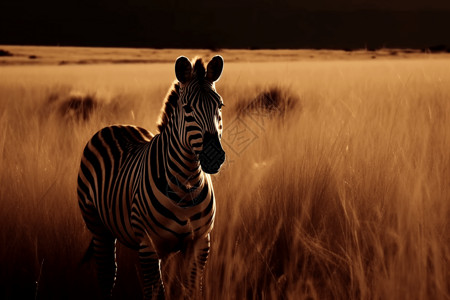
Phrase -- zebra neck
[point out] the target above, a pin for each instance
(182, 173)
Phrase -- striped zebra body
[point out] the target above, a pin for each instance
(151, 193)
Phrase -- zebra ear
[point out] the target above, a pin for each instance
(183, 69)
(214, 68)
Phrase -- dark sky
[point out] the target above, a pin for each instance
(374, 4)
(333, 24)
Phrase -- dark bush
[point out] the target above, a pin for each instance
(5, 53)
(78, 106)
(273, 101)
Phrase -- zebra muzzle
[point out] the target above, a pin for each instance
(212, 156)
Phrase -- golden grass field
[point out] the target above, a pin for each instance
(336, 185)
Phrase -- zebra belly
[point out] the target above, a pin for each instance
(121, 227)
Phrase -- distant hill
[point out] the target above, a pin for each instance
(145, 24)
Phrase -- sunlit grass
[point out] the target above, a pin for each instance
(341, 192)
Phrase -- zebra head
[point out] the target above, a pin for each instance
(201, 105)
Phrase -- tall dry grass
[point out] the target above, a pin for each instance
(336, 184)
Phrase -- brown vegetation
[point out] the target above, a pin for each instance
(344, 197)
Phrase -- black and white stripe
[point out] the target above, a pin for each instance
(153, 193)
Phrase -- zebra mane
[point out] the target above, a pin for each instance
(169, 105)
(199, 69)
(170, 102)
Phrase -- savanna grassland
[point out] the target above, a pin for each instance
(336, 185)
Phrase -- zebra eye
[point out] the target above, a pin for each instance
(187, 108)
(221, 105)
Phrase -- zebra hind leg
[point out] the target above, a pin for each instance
(151, 270)
(105, 257)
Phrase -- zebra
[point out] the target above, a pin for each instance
(153, 193)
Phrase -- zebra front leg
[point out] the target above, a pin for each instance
(197, 255)
(151, 270)
(105, 257)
